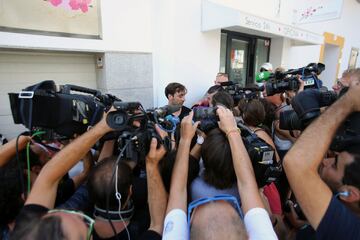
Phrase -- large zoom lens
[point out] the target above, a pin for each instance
(289, 120)
(286, 84)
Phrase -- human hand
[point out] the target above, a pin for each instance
(188, 129)
(227, 121)
(103, 125)
(302, 84)
(155, 154)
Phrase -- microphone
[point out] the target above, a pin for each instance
(167, 110)
(263, 76)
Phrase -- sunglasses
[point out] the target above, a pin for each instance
(225, 197)
(87, 220)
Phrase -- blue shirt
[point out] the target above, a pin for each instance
(338, 223)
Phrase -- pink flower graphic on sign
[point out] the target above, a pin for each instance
(55, 2)
(72, 5)
(80, 4)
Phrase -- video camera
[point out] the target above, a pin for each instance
(238, 92)
(62, 113)
(279, 82)
(136, 139)
(56, 108)
(307, 106)
(261, 154)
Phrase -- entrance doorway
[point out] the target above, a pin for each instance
(242, 55)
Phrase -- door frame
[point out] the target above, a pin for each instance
(251, 39)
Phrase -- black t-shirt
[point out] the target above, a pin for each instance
(184, 112)
(338, 223)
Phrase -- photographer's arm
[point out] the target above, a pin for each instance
(303, 159)
(157, 196)
(8, 150)
(248, 189)
(107, 150)
(44, 189)
(88, 163)
(178, 188)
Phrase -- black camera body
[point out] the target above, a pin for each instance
(136, 139)
(238, 92)
(280, 82)
(306, 106)
(49, 107)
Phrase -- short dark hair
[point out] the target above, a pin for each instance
(11, 201)
(100, 183)
(214, 89)
(216, 154)
(167, 165)
(351, 173)
(252, 112)
(223, 98)
(173, 88)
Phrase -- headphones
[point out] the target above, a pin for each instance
(343, 194)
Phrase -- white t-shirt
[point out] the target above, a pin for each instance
(257, 223)
(175, 226)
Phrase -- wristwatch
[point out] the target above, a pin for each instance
(200, 139)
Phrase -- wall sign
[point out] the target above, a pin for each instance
(79, 18)
(308, 11)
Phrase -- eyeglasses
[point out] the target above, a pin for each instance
(87, 220)
(339, 83)
(201, 201)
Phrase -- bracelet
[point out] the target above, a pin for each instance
(233, 130)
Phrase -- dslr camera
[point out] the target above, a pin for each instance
(262, 155)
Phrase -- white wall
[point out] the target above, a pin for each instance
(126, 26)
(275, 10)
(346, 26)
(182, 53)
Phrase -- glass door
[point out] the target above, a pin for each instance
(239, 51)
(241, 55)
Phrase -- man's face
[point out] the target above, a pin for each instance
(340, 84)
(178, 98)
(332, 169)
(220, 78)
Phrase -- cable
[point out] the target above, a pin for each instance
(19, 165)
(118, 196)
(28, 160)
(109, 187)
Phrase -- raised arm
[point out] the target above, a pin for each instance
(157, 196)
(178, 188)
(44, 189)
(8, 150)
(302, 161)
(248, 189)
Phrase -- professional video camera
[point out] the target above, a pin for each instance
(237, 92)
(306, 106)
(279, 82)
(135, 139)
(57, 109)
(261, 154)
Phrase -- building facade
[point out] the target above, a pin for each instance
(140, 46)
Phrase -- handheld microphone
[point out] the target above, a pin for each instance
(167, 110)
(263, 76)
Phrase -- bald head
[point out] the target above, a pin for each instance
(217, 220)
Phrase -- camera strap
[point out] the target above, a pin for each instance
(126, 214)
